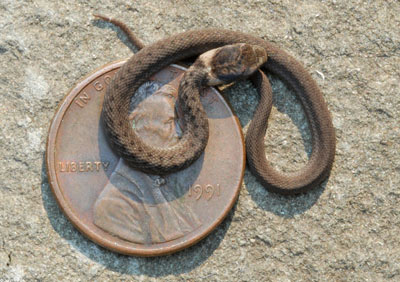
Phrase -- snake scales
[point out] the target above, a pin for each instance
(152, 58)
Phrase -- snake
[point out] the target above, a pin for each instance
(223, 56)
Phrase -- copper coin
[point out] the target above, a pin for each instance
(126, 210)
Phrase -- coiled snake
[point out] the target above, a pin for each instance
(214, 67)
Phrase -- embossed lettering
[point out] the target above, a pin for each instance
(97, 165)
(105, 165)
(62, 167)
(206, 192)
(73, 166)
(107, 79)
(82, 100)
(89, 166)
(198, 191)
(98, 86)
(81, 166)
(209, 191)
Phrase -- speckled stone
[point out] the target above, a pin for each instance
(346, 230)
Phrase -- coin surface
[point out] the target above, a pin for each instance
(123, 209)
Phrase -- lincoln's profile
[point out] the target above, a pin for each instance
(139, 207)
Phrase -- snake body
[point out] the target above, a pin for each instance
(152, 58)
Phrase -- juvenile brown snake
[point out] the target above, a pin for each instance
(152, 58)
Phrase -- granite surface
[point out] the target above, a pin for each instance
(347, 229)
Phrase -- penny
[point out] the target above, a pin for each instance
(126, 210)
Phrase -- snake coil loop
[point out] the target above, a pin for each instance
(152, 58)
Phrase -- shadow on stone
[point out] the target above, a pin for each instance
(177, 263)
(282, 205)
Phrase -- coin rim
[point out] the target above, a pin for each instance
(72, 216)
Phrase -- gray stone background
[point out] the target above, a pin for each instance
(348, 229)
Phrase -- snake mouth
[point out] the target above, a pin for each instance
(232, 62)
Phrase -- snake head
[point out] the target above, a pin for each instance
(232, 62)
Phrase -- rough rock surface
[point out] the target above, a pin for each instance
(348, 229)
